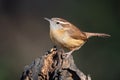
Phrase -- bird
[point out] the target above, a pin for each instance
(68, 36)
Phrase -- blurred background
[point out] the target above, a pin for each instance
(24, 34)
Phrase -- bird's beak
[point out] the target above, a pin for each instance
(47, 19)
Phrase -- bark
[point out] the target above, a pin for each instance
(53, 65)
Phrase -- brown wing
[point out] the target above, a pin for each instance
(74, 32)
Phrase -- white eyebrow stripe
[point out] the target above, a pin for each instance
(63, 22)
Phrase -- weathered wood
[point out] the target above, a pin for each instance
(53, 66)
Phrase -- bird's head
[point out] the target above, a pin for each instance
(57, 23)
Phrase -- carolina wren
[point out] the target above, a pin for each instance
(68, 36)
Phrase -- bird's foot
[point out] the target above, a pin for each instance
(67, 54)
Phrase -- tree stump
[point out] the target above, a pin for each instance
(53, 66)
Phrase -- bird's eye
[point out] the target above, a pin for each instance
(57, 23)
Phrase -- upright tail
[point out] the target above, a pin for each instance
(88, 34)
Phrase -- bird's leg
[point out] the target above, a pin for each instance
(69, 53)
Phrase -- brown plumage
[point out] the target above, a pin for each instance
(67, 35)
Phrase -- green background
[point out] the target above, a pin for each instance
(24, 34)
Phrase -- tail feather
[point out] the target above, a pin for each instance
(88, 34)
